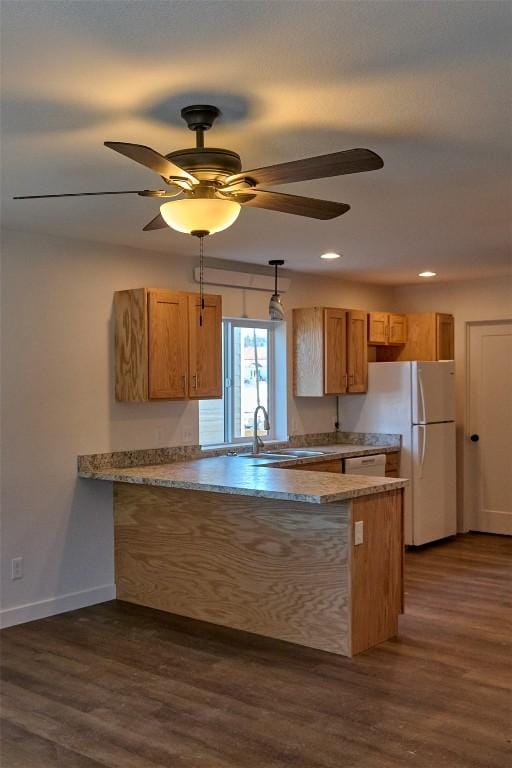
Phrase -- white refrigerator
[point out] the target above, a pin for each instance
(417, 400)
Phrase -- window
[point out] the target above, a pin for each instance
(254, 373)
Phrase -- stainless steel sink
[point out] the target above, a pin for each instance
(264, 455)
(291, 453)
(299, 452)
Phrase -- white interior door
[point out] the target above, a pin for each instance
(434, 482)
(489, 433)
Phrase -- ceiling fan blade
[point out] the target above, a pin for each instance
(156, 223)
(335, 164)
(87, 194)
(300, 206)
(153, 160)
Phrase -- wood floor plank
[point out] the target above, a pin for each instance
(124, 686)
(22, 749)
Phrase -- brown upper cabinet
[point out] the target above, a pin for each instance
(445, 336)
(168, 345)
(335, 351)
(430, 337)
(330, 354)
(357, 351)
(386, 328)
(162, 352)
(205, 347)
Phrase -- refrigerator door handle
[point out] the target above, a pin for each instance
(422, 396)
(423, 448)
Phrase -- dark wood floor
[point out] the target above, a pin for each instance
(117, 685)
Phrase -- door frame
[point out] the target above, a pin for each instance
(470, 479)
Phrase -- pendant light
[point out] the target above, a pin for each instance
(275, 308)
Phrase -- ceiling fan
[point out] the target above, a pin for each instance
(210, 187)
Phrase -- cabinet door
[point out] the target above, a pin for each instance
(393, 462)
(168, 345)
(378, 327)
(131, 345)
(397, 329)
(357, 351)
(445, 337)
(205, 347)
(421, 340)
(335, 351)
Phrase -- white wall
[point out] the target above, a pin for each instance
(470, 301)
(58, 402)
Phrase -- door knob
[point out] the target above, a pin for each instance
(475, 438)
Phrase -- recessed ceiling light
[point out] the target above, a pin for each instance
(330, 255)
(427, 274)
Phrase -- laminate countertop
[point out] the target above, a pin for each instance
(264, 477)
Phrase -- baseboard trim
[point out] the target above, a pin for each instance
(20, 614)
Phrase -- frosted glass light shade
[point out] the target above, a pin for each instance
(206, 214)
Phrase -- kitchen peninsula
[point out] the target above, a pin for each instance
(247, 543)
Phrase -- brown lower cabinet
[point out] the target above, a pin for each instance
(393, 464)
(285, 569)
(330, 465)
(162, 351)
(336, 465)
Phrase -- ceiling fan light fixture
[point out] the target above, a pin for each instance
(205, 214)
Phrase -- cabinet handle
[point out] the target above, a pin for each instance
(345, 379)
(198, 380)
(194, 381)
(184, 378)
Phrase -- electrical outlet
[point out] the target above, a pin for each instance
(358, 532)
(17, 568)
(162, 436)
(187, 435)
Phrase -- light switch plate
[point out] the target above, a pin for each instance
(358, 532)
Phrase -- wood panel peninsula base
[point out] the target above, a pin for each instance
(283, 569)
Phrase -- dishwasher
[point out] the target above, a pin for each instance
(366, 465)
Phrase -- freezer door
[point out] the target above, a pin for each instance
(433, 482)
(387, 406)
(433, 392)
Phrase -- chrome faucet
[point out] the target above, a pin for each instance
(257, 442)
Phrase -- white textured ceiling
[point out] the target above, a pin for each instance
(424, 84)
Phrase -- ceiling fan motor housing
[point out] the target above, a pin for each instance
(207, 163)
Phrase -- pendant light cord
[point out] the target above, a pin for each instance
(201, 279)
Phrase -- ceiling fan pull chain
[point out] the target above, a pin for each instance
(201, 234)
(201, 278)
